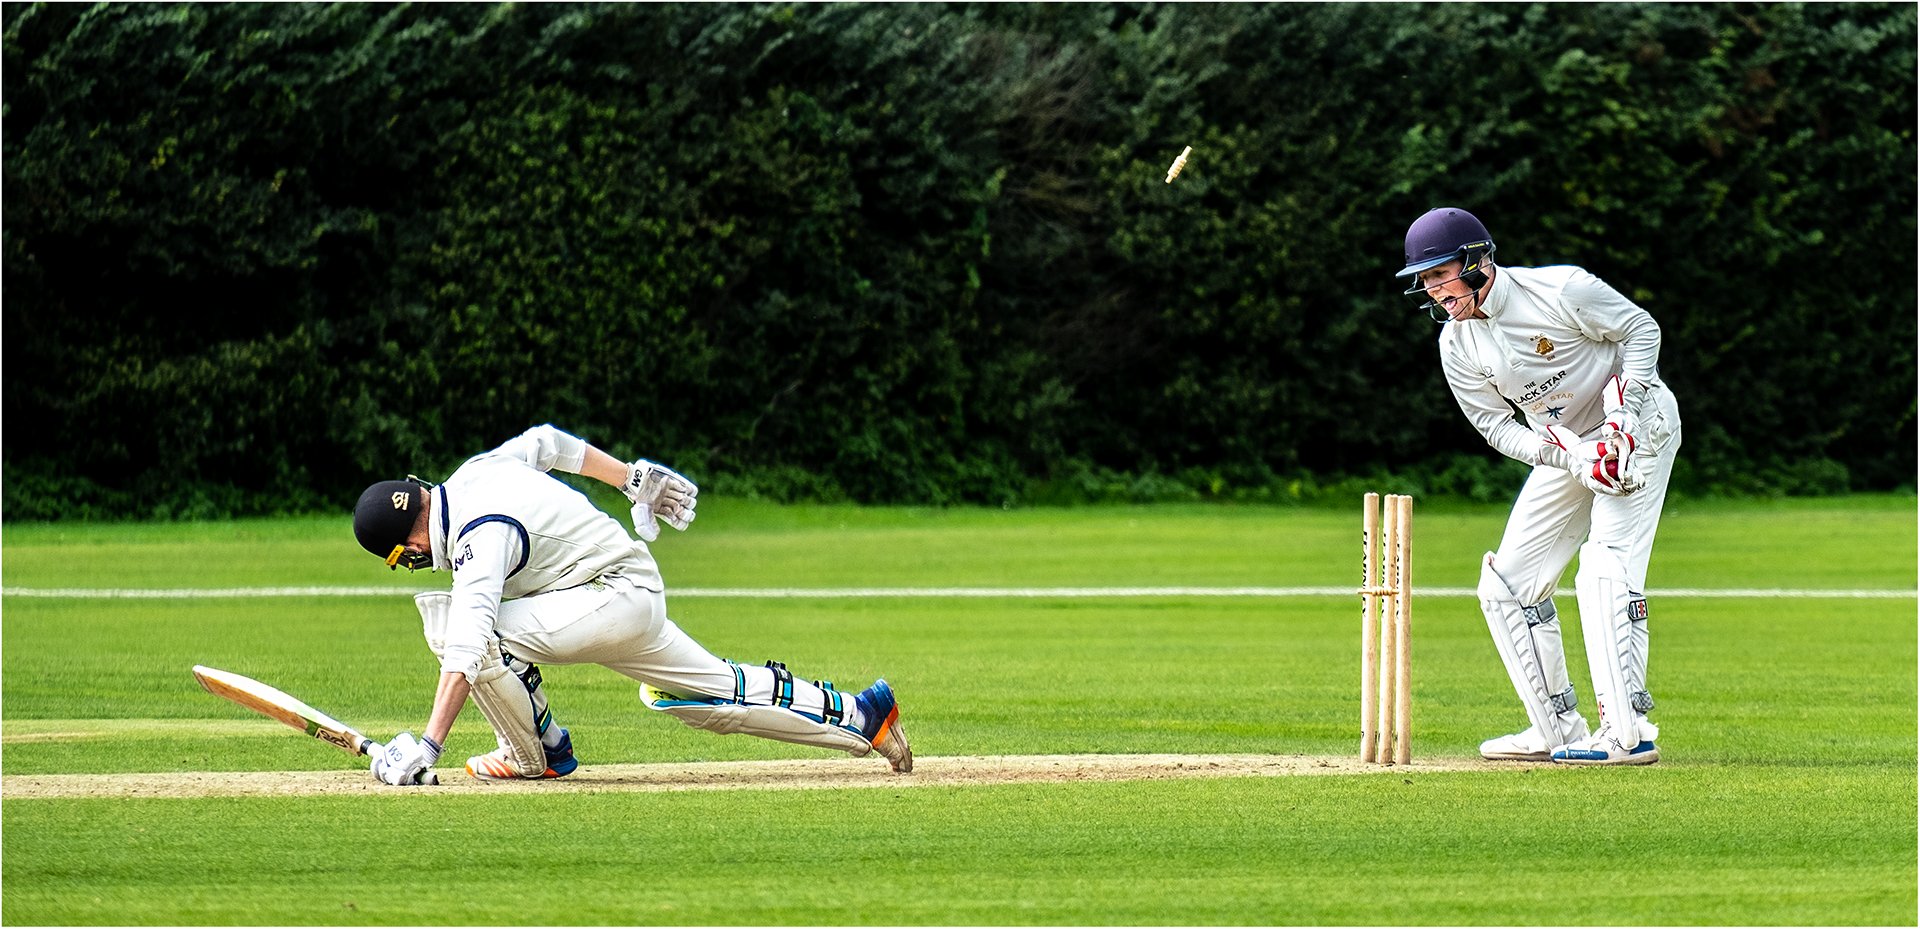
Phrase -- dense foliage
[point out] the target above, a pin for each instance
(259, 255)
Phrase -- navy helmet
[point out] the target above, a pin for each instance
(384, 518)
(1442, 235)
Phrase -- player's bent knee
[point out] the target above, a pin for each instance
(1493, 587)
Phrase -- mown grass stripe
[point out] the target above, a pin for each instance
(841, 593)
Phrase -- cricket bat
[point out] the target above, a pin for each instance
(276, 704)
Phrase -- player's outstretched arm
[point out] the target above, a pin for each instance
(654, 489)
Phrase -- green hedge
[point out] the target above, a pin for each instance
(259, 255)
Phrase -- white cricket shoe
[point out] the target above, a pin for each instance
(1530, 745)
(1607, 746)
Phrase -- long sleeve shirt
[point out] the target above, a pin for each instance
(1551, 339)
(508, 529)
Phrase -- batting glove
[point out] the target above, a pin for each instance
(659, 491)
(403, 761)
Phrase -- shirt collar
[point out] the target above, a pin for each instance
(438, 519)
(1498, 294)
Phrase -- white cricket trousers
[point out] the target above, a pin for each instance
(1555, 513)
(614, 622)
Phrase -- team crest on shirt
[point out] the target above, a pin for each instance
(1543, 347)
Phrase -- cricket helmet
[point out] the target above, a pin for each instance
(384, 518)
(1442, 235)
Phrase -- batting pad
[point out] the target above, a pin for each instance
(767, 722)
(434, 605)
(508, 704)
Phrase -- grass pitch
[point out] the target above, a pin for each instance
(1786, 797)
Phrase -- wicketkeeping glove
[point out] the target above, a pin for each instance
(1594, 462)
(403, 761)
(659, 491)
(1617, 432)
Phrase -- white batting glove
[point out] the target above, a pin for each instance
(643, 524)
(1594, 462)
(659, 491)
(404, 761)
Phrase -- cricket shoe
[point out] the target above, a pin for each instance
(1530, 745)
(495, 766)
(1606, 747)
(880, 715)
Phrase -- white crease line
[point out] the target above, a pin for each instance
(844, 593)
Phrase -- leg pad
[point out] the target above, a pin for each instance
(1613, 617)
(767, 722)
(1528, 640)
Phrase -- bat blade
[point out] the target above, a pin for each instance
(279, 705)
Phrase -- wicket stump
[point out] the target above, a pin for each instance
(1386, 614)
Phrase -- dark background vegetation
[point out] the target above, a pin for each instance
(257, 256)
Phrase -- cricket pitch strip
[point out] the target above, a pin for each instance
(790, 774)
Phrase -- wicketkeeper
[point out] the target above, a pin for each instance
(541, 576)
(1580, 362)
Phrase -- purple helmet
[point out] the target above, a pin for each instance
(1442, 235)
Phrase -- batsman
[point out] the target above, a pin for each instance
(542, 576)
(1579, 362)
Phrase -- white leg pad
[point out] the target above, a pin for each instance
(1528, 640)
(508, 704)
(502, 696)
(434, 606)
(767, 722)
(1613, 620)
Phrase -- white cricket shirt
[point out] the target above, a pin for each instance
(1551, 339)
(510, 530)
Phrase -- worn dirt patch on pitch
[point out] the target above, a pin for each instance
(798, 774)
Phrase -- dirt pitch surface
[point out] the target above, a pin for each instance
(806, 774)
